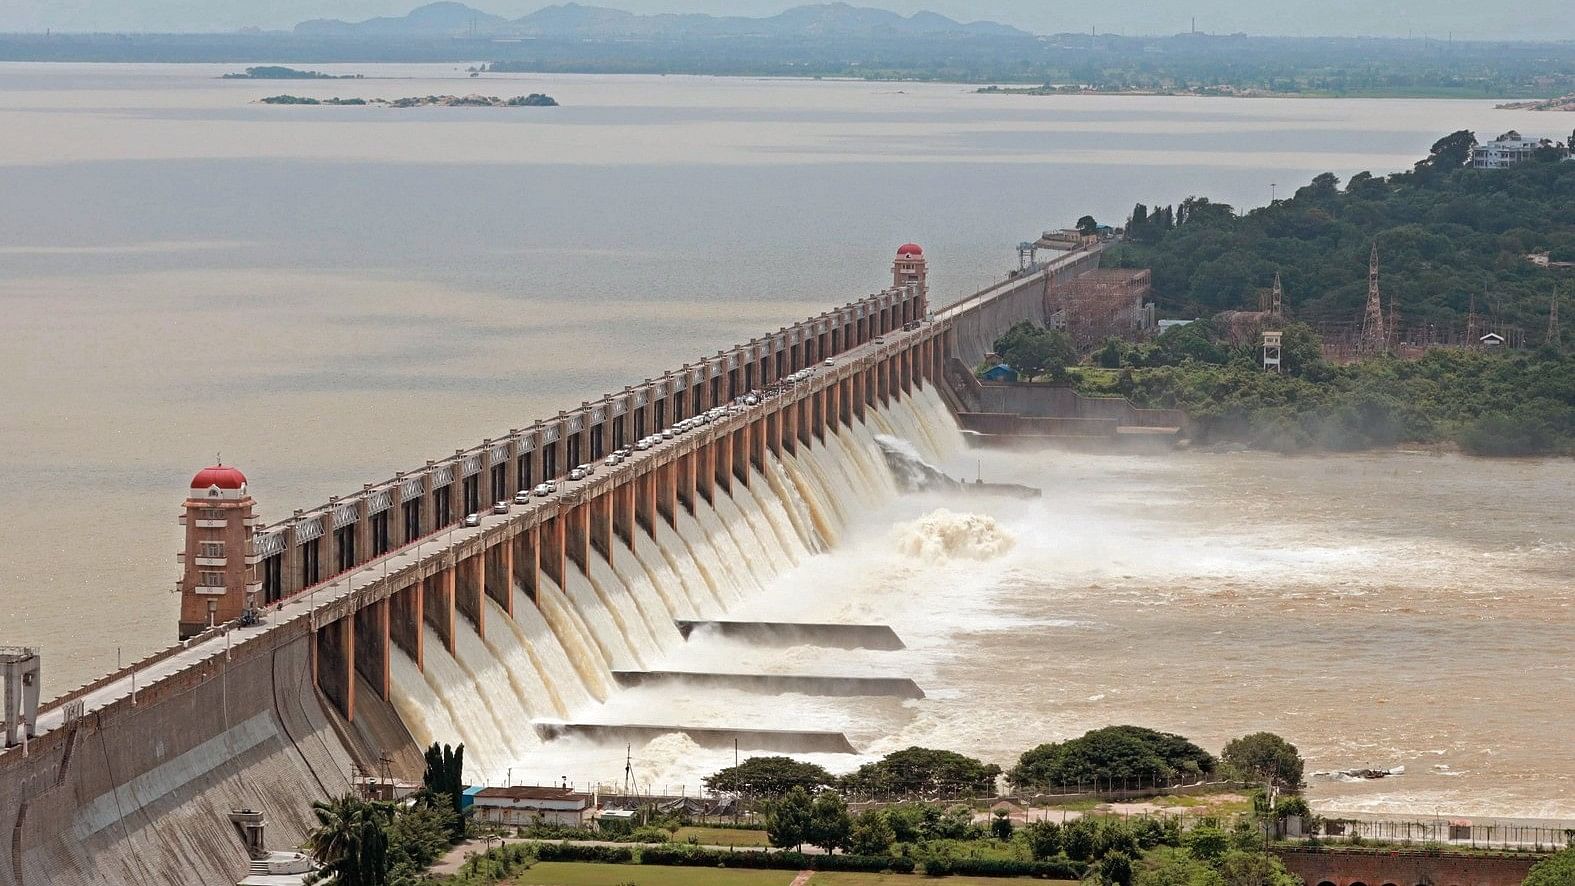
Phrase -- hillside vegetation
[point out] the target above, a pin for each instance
(1445, 233)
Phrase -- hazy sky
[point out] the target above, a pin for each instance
(1528, 19)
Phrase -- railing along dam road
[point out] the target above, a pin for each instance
(232, 715)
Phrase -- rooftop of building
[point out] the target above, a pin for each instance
(528, 792)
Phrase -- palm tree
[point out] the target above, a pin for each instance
(351, 841)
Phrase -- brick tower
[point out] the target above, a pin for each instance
(218, 578)
(908, 268)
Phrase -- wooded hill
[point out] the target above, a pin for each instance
(1445, 233)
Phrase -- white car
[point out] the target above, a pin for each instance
(500, 507)
(577, 474)
(543, 489)
(830, 362)
(522, 497)
(612, 460)
(667, 434)
(472, 519)
(751, 400)
(643, 444)
(880, 339)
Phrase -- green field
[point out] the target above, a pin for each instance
(723, 836)
(564, 873)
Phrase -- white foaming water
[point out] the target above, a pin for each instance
(723, 574)
(789, 501)
(685, 563)
(738, 537)
(552, 660)
(942, 535)
(603, 629)
(495, 689)
(419, 707)
(619, 602)
(467, 709)
(575, 636)
(671, 585)
(761, 496)
(654, 609)
(506, 641)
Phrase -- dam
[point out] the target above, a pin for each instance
(499, 596)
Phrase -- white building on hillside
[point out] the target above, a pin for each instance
(1504, 151)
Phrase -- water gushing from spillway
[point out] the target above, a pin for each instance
(724, 556)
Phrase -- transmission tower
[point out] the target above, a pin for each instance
(1471, 323)
(1374, 341)
(1552, 337)
(1277, 299)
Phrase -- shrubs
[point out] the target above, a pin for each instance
(689, 856)
(583, 852)
(1058, 869)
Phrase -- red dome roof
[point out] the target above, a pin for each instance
(222, 476)
(910, 249)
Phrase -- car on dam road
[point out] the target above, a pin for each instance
(612, 460)
(472, 519)
(577, 474)
(643, 444)
(522, 497)
(667, 434)
(500, 507)
(543, 489)
(830, 362)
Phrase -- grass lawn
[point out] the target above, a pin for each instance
(843, 879)
(570, 873)
(574, 873)
(723, 836)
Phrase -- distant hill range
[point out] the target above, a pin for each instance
(572, 20)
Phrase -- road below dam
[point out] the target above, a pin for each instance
(543, 636)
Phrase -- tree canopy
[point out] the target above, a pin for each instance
(1555, 870)
(1446, 232)
(769, 778)
(1113, 753)
(922, 772)
(1033, 350)
(1264, 757)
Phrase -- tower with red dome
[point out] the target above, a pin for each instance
(218, 572)
(909, 268)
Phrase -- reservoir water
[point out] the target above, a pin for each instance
(326, 294)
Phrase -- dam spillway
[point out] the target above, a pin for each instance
(388, 622)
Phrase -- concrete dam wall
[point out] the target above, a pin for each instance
(494, 634)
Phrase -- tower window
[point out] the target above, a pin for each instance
(210, 549)
(211, 580)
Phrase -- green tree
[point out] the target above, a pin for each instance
(418, 836)
(829, 823)
(788, 822)
(1264, 757)
(444, 777)
(769, 778)
(1207, 843)
(1113, 755)
(1244, 868)
(872, 833)
(1448, 153)
(1044, 839)
(1115, 869)
(1077, 838)
(1555, 870)
(350, 840)
(922, 772)
(1087, 226)
(1001, 825)
(1167, 866)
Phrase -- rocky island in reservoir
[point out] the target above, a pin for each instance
(534, 100)
(278, 72)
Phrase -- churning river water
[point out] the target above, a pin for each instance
(326, 294)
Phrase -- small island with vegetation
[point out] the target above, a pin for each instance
(1562, 103)
(277, 72)
(534, 100)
